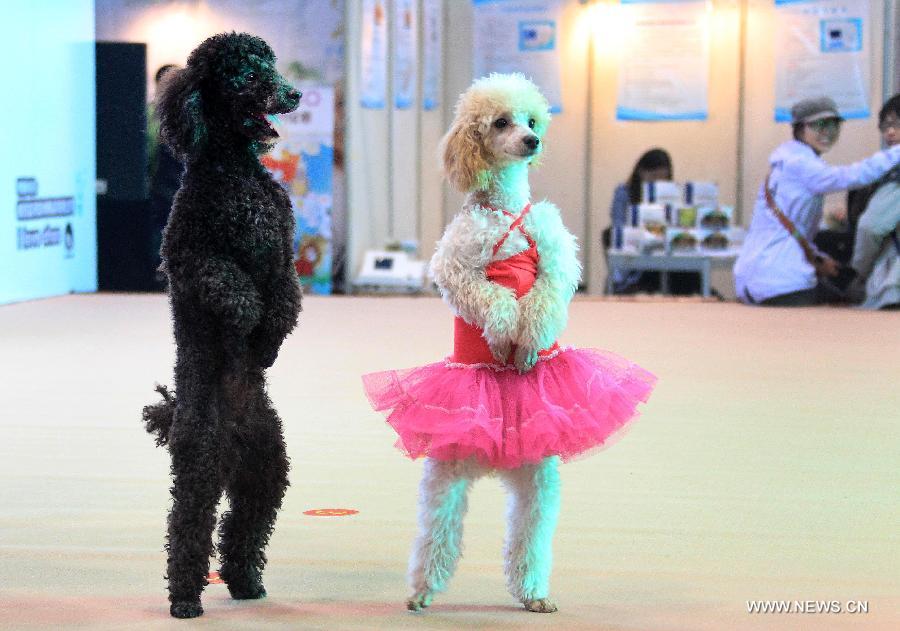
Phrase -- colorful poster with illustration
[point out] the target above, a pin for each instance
(303, 161)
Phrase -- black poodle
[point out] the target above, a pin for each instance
(235, 296)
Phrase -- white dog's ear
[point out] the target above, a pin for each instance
(465, 159)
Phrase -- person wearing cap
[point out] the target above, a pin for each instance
(778, 264)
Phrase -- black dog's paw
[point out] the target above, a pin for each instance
(186, 609)
(264, 352)
(250, 591)
(266, 358)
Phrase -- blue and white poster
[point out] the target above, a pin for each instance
(48, 229)
(520, 36)
(664, 65)
(432, 58)
(405, 52)
(822, 47)
(374, 51)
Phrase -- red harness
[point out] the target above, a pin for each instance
(517, 272)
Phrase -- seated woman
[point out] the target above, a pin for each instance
(654, 165)
(876, 250)
(779, 265)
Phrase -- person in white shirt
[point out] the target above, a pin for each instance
(776, 267)
(876, 251)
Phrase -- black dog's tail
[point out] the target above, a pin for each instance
(158, 417)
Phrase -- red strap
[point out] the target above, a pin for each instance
(517, 223)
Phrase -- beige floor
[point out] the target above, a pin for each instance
(764, 467)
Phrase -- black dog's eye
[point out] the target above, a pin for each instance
(250, 76)
(500, 123)
(531, 123)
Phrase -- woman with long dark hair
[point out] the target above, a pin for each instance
(652, 166)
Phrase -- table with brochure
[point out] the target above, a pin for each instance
(675, 228)
(665, 263)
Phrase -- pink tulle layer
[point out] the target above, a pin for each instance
(563, 407)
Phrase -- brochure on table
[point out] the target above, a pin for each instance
(679, 219)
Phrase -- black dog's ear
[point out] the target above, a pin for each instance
(180, 110)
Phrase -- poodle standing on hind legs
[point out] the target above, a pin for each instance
(227, 252)
(508, 400)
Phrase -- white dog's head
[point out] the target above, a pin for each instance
(500, 120)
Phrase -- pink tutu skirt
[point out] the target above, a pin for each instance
(566, 405)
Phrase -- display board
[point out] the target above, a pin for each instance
(48, 240)
(664, 64)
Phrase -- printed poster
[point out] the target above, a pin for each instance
(48, 168)
(664, 67)
(822, 48)
(405, 52)
(520, 36)
(432, 43)
(303, 163)
(374, 54)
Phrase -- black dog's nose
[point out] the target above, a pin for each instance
(532, 142)
(294, 95)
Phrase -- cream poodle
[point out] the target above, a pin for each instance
(496, 135)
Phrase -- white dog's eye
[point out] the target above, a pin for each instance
(500, 123)
(531, 123)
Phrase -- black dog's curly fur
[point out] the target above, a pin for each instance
(227, 252)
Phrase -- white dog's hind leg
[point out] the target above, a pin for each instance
(533, 510)
(443, 502)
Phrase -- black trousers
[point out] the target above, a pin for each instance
(805, 298)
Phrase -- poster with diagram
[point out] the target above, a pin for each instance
(822, 48)
(520, 36)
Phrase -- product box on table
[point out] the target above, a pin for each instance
(701, 194)
(715, 217)
(662, 192)
(682, 240)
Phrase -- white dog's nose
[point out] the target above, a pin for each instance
(532, 142)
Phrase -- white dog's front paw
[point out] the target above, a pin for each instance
(500, 327)
(503, 319)
(500, 350)
(525, 359)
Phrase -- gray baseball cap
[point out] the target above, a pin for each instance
(819, 108)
